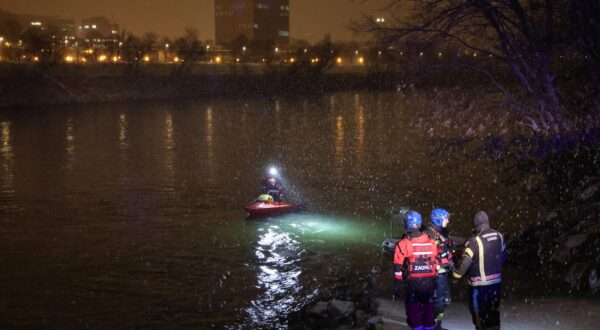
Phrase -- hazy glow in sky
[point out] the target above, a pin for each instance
(310, 19)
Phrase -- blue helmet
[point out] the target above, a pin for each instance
(438, 216)
(412, 220)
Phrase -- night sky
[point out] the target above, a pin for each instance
(310, 19)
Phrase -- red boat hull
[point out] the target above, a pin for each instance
(260, 209)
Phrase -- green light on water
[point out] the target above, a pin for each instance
(310, 227)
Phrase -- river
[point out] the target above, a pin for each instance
(131, 215)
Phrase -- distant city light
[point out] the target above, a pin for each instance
(69, 59)
(361, 60)
(176, 59)
(102, 58)
(36, 23)
(36, 59)
(146, 58)
(339, 60)
(218, 59)
(380, 20)
(115, 59)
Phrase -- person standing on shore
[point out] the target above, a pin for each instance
(438, 231)
(415, 266)
(483, 258)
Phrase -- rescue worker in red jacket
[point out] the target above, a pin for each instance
(415, 265)
(482, 260)
(438, 230)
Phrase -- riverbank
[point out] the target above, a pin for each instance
(30, 85)
(536, 313)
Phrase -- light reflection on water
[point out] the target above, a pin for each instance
(70, 144)
(283, 245)
(6, 168)
(278, 259)
(169, 145)
(339, 145)
(123, 142)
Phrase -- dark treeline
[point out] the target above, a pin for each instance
(532, 39)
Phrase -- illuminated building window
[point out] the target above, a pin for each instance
(284, 33)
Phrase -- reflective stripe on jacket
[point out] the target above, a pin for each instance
(483, 257)
(415, 258)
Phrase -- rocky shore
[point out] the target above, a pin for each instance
(350, 304)
(564, 246)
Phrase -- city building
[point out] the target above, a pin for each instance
(264, 20)
(64, 28)
(101, 25)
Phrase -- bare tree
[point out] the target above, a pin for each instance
(188, 48)
(43, 44)
(526, 35)
(148, 43)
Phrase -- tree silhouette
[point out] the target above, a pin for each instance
(527, 36)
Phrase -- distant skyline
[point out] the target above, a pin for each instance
(309, 20)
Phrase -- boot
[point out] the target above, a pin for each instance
(438, 325)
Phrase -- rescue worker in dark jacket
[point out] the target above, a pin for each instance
(482, 261)
(438, 231)
(271, 184)
(415, 265)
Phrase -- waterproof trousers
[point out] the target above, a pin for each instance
(442, 294)
(484, 303)
(419, 305)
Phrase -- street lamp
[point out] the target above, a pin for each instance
(243, 53)
(166, 51)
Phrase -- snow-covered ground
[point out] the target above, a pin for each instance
(543, 313)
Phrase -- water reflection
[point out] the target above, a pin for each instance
(6, 151)
(360, 136)
(209, 138)
(339, 144)
(169, 151)
(278, 258)
(123, 142)
(70, 144)
(277, 119)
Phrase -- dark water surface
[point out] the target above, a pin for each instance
(132, 215)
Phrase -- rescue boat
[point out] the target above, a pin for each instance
(268, 209)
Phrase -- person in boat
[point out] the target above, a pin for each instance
(438, 231)
(482, 260)
(415, 270)
(265, 198)
(271, 184)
